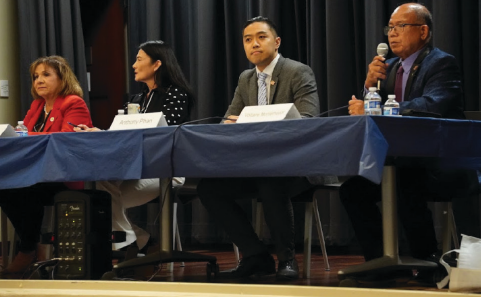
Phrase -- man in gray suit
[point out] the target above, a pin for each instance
(274, 80)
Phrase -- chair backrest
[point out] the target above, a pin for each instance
(473, 115)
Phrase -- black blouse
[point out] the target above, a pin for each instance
(173, 102)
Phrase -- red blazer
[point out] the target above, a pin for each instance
(70, 108)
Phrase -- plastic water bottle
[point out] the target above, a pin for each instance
(372, 102)
(21, 130)
(391, 106)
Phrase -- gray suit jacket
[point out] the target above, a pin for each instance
(294, 82)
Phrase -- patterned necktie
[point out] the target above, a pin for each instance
(262, 90)
(398, 87)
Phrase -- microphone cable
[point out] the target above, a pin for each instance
(334, 109)
(39, 265)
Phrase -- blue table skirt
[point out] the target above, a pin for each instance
(320, 146)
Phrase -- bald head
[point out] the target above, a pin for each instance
(423, 15)
(411, 24)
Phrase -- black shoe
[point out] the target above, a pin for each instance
(261, 264)
(288, 270)
(432, 276)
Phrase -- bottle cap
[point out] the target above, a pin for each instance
(120, 111)
(372, 89)
(391, 96)
(20, 122)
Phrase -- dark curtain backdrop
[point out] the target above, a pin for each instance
(50, 27)
(337, 38)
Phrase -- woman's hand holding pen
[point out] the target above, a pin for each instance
(85, 128)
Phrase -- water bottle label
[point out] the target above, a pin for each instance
(372, 104)
(22, 133)
(373, 111)
(391, 111)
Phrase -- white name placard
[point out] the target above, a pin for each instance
(268, 113)
(138, 121)
(7, 131)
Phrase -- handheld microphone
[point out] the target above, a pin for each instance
(382, 50)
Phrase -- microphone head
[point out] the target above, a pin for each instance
(382, 49)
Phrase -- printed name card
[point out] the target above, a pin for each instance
(138, 121)
(268, 113)
(7, 131)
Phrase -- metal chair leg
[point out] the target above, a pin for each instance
(450, 234)
(452, 226)
(306, 273)
(315, 209)
(236, 252)
(176, 236)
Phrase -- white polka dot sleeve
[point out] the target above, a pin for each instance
(176, 106)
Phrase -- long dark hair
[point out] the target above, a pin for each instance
(169, 73)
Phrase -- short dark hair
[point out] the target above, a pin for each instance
(261, 19)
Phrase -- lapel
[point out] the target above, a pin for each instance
(275, 78)
(391, 80)
(38, 107)
(253, 88)
(54, 114)
(414, 69)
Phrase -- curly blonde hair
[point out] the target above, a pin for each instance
(70, 84)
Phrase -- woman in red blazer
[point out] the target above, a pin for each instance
(58, 101)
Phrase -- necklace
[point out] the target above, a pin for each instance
(45, 108)
(144, 107)
(45, 112)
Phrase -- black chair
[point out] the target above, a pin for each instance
(165, 254)
(188, 192)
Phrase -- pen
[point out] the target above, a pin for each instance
(72, 124)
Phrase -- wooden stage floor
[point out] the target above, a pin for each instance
(196, 272)
(191, 280)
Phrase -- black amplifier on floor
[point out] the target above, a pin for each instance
(83, 228)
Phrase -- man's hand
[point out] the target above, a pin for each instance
(356, 107)
(231, 119)
(85, 128)
(377, 70)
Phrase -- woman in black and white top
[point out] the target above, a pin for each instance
(165, 90)
(173, 102)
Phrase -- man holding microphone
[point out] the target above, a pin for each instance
(424, 79)
(429, 79)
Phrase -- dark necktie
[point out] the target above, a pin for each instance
(398, 87)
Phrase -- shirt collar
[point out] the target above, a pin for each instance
(270, 68)
(409, 61)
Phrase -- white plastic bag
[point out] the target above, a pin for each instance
(466, 276)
